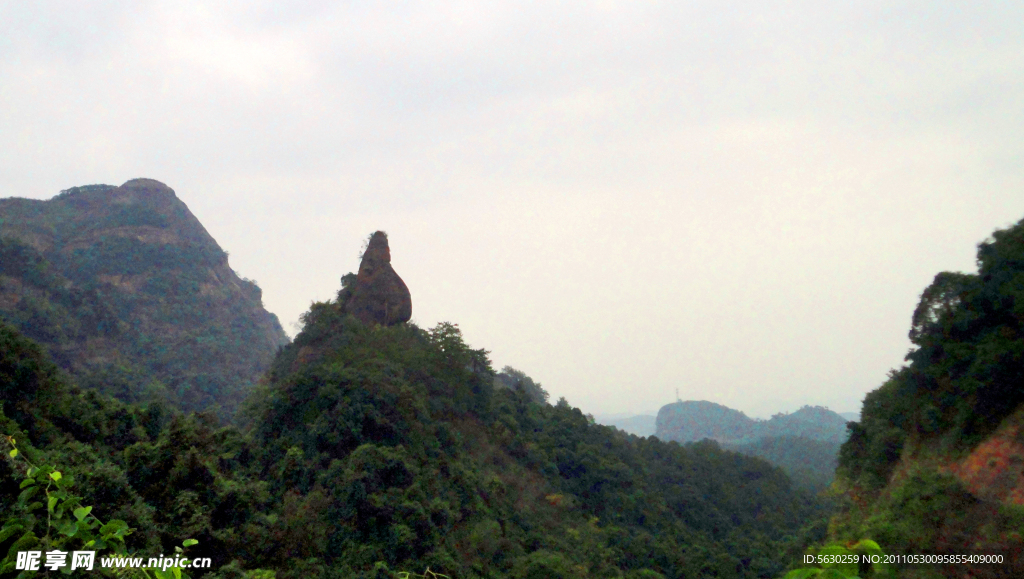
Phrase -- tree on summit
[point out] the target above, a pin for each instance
(518, 380)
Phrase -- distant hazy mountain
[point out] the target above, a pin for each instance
(695, 420)
(804, 443)
(814, 422)
(851, 416)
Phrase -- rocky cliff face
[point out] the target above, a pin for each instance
(130, 294)
(994, 470)
(378, 295)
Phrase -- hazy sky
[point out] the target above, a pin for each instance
(739, 200)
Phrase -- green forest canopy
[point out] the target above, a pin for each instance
(374, 448)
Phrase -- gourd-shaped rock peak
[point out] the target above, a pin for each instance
(378, 295)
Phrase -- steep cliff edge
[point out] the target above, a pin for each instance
(130, 294)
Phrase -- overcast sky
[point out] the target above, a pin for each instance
(739, 200)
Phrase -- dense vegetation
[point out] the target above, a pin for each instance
(514, 379)
(965, 372)
(373, 449)
(963, 382)
(129, 294)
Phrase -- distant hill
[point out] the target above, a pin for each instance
(695, 420)
(804, 443)
(129, 293)
(813, 422)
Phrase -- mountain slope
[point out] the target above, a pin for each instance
(130, 294)
(934, 466)
(372, 448)
(405, 432)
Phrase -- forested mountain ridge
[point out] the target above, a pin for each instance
(936, 464)
(130, 294)
(372, 448)
(492, 482)
(395, 453)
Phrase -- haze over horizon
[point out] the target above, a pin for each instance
(617, 198)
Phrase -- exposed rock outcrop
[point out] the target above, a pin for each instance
(378, 295)
(129, 293)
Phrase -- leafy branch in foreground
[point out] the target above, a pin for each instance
(67, 520)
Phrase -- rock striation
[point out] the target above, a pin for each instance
(378, 295)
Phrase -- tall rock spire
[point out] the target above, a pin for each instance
(378, 295)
